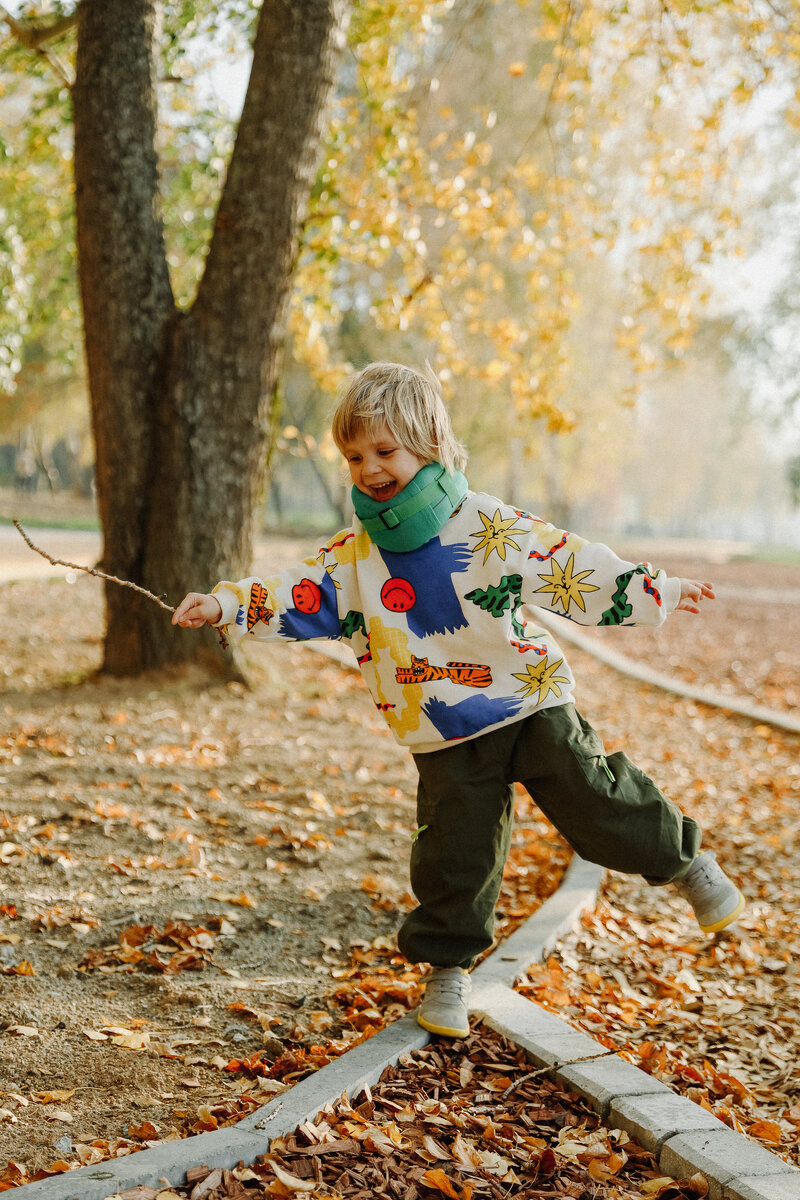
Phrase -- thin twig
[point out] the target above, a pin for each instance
(59, 562)
(573, 1062)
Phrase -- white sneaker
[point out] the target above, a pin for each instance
(716, 901)
(445, 1008)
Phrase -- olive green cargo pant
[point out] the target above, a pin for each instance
(608, 810)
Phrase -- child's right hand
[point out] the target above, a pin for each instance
(197, 609)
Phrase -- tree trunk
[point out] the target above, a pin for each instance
(181, 401)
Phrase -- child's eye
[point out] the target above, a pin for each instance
(386, 453)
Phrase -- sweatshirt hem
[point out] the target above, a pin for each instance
(432, 747)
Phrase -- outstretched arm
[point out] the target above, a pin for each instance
(692, 592)
(197, 609)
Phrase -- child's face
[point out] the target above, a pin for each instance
(379, 466)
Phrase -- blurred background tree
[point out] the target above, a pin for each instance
(544, 200)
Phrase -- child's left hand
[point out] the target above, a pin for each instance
(692, 592)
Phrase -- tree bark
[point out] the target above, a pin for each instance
(181, 401)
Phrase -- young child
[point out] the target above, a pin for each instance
(436, 588)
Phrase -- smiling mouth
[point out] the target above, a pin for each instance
(384, 492)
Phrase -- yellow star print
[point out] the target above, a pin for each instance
(329, 568)
(494, 535)
(565, 586)
(542, 678)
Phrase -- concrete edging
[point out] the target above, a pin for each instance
(684, 1137)
(361, 1066)
(245, 1141)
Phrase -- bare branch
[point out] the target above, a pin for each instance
(59, 562)
(33, 38)
(35, 35)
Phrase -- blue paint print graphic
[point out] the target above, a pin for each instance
(323, 623)
(470, 715)
(437, 608)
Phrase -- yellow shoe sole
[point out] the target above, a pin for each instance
(726, 921)
(442, 1030)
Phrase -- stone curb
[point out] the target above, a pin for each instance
(684, 1137)
(243, 1142)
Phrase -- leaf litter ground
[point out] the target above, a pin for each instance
(200, 889)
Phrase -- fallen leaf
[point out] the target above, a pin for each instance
(131, 1040)
(437, 1179)
(289, 1180)
(766, 1131)
(435, 1150)
(147, 1131)
(55, 1097)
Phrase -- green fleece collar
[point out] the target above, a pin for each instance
(414, 515)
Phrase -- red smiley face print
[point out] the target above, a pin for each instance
(306, 596)
(398, 595)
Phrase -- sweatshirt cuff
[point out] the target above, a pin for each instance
(671, 593)
(229, 603)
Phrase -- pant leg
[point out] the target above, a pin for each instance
(465, 811)
(607, 808)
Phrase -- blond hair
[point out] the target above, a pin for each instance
(409, 403)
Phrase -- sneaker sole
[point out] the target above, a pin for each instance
(442, 1030)
(726, 921)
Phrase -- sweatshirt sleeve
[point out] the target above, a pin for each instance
(590, 584)
(296, 605)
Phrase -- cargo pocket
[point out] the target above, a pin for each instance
(591, 746)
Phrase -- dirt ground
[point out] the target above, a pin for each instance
(199, 887)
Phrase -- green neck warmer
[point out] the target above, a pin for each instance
(414, 515)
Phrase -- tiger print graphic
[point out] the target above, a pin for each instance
(257, 609)
(474, 675)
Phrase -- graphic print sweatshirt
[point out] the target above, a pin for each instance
(446, 636)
